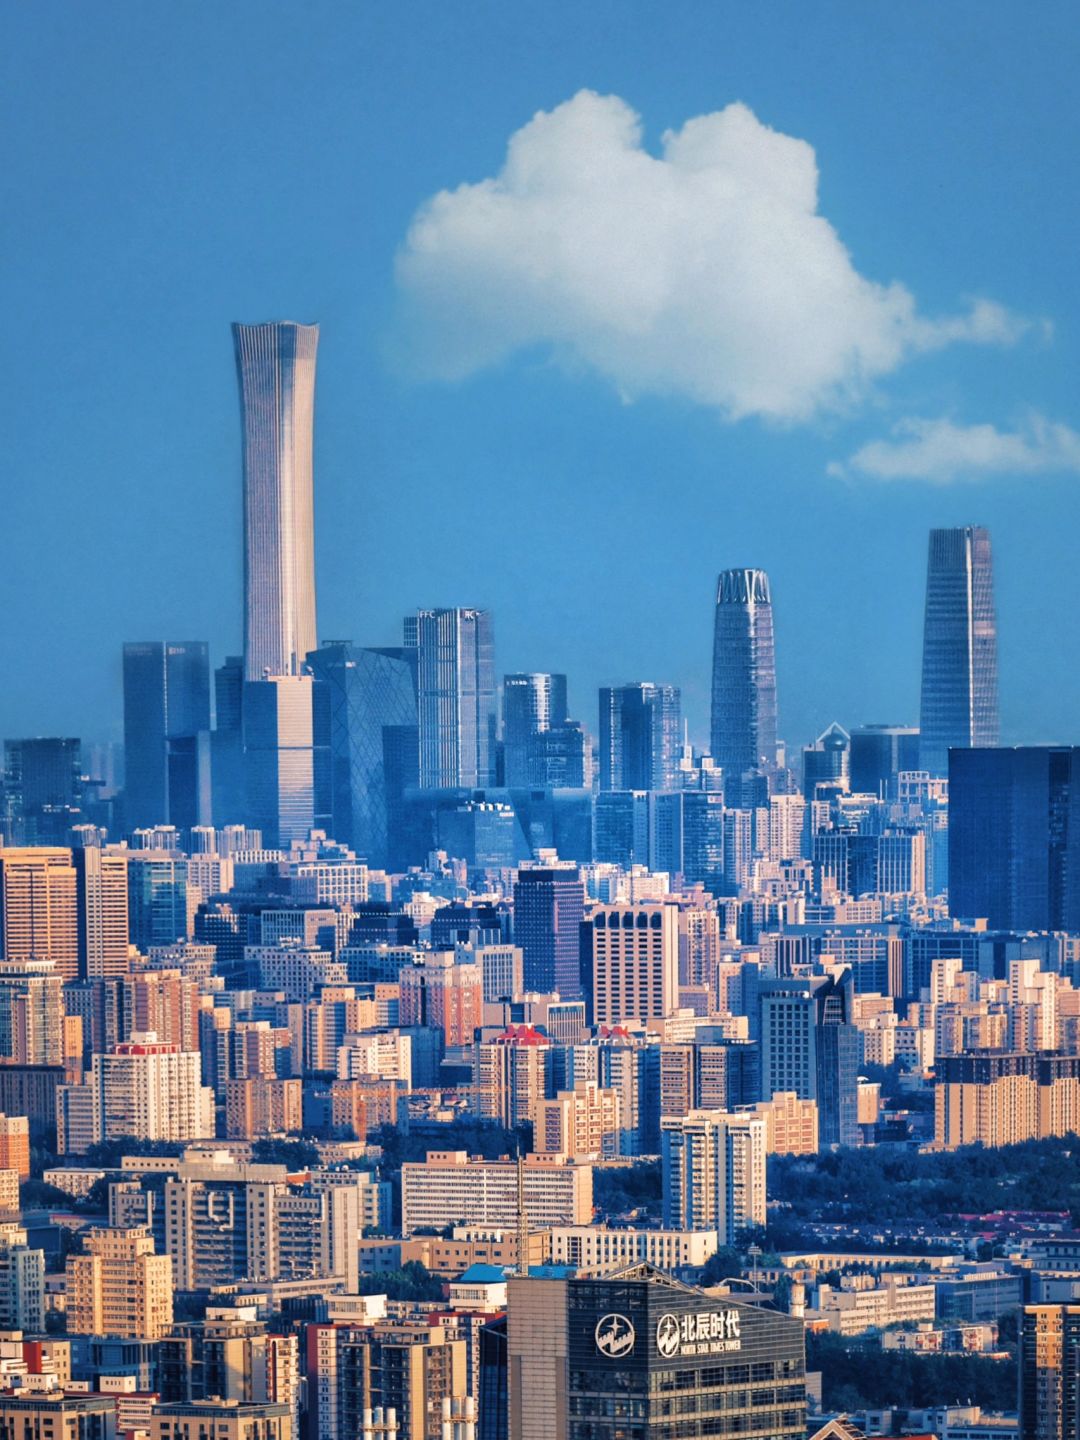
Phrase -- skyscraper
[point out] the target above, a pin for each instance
(959, 674)
(533, 704)
(809, 1044)
(455, 665)
(879, 754)
(282, 777)
(1014, 837)
(1049, 1362)
(43, 789)
(166, 733)
(714, 1172)
(39, 907)
(827, 761)
(370, 713)
(744, 678)
(640, 1345)
(640, 737)
(227, 743)
(102, 894)
(276, 367)
(549, 903)
(630, 953)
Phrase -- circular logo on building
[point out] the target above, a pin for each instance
(614, 1336)
(668, 1337)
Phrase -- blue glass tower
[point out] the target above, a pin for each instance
(744, 679)
(960, 671)
(370, 712)
(166, 733)
(640, 737)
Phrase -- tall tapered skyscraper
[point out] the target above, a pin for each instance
(959, 675)
(744, 678)
(276, 368)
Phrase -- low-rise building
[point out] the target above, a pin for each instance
(449, 1188)
(861, 1303)
(599, 1250)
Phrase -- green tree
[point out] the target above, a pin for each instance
(294, 1153)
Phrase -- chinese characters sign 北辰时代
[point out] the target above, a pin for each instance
(710, 1334)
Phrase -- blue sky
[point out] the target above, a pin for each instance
(167, 169)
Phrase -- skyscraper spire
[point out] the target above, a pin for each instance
(276, 367)
(959, 674)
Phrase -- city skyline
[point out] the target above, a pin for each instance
(523, 973)
(432, 467)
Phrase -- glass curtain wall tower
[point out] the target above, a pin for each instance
(959, 675)
(276, 368)
(744, 678)
(640, 737)
(455, 666)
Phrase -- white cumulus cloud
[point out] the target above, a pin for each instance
(705, 272)
(941, 451)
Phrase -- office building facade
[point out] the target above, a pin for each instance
(631, 954)
(166, 733)
(455, 666)
(744, 678)
(1014, 837)
(275, 366)
(39, 909)
(960, 671)
(549, 904)
(372, 741)
(41, 790)
(638, 1354)
(280, 765)
(640, 737)
(810, 1046)
(533, 705)
(879, 755)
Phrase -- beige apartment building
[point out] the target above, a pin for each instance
(791, 1124)
(996, 1099)
(259, 1107)
(582, 1124)
(222, 1419)
(120, 1287)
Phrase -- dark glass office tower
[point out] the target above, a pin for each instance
(533, 705)
(640, 737)
(370, 705)
(42, 790)
(638, 1356)
(744, 678)
(1014, 837)
(166, 733)
(827, 761)
(455, 666)
(227, 743)
(549, 904)
(879, 755)
(959, 675)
